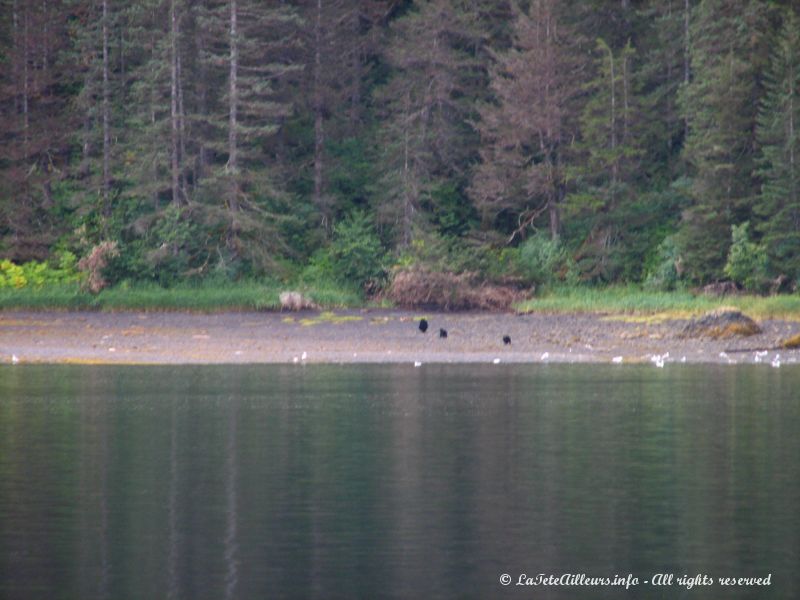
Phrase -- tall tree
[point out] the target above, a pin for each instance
(779, 165)
(664, 49)
(610, 156)
(36, 93)
(728, 48)
(425, 107)
(341, 36)
(526, 131)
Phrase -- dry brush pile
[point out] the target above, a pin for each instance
(424, 288)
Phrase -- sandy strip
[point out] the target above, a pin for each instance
(367, 336)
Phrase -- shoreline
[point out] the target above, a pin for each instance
(371, 336)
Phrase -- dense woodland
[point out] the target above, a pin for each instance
(651, 141)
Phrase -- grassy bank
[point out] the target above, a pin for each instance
(635, 301)
(196, 298)
(265, 296)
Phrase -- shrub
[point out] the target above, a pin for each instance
(542, 260)
(95, 262)
(356, 255)
(664, 274)
(38, 274)
(747, 261)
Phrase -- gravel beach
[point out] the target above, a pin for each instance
(371, 336)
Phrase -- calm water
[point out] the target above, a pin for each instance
(390, 481)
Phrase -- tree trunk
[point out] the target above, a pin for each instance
(408, 207)
(45, 38)
(16, 54)
(319, 132)
(613, 115)
(233, 200)
(106, 210)
(153, 103)
(25, 84)
(355, 70)
(174, 104)
(791, 138)
(686, 64)
(202, 109)
(181, 129)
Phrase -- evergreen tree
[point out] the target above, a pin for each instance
(526, 130)
(425, 109)
(779, 165)
(36, 92)
(611, 154)
(728, 45)
(664, 48)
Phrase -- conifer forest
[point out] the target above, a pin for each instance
(654, 142)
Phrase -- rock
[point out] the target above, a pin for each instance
(295, 301)
(791, 342)
(721, 323)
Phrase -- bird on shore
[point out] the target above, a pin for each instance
(506, 339)
(442, 333)
(423, 325)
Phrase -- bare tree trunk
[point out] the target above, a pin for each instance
(319, 132)
(407, 200)
(153, 103)
(233, 201)
(613, 115)
(791, 138)
(25, 83)
(625, 98)
(106, 118)
(686, 64)
(174, 104)
(45, 37)
(15, 59)
(355, 70)
(181, 129)
(202, 109)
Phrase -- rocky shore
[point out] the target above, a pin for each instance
(375, 336)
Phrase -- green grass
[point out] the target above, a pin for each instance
(636, 301)
(241, 296)
(196, 298)
(60, 296)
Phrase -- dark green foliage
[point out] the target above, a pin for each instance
(664, 272)
(747, 261)
(779, 165)
(543, 261)
(720, 106)
(370, 134)
(356, 254)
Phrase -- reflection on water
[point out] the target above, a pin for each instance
(389, 481)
